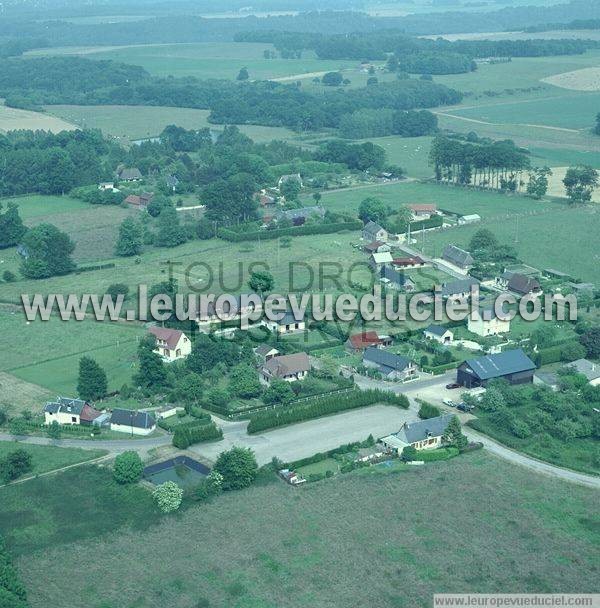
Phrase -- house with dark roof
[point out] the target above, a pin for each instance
(394, 279)
(422, 434)
(457, 257)
(171, 344)
(589, 369)
(289, 322)
(439, 333)
(289, 368)
(460, 289)
(389, 365)
(129, 175)
(67, 411)
(374, 232)
(299, 216)
(264, 352)
(228, 308)
(358, 342)
(132, 421)
(518, 283)
(172, 181)
(514, 366)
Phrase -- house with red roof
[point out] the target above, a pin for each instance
(409, 262)
(358, 342)
(171, 344)
(422, 211)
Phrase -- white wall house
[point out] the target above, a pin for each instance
(488, 324)
(171, 344)
(132, 422)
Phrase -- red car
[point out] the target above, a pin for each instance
(452, 385)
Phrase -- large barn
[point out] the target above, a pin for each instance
(512, 365)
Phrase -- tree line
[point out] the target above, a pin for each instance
(49, 81)
(379, 123)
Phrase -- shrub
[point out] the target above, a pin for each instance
(189, 433)
(409, 453)
(168, 496)
(15, 464)
(428, 410)
(238, 468)
(9, 276)
(128, 467)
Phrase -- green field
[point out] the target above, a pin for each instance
(139, 122)
(565, 239)
(454, 199)
(45, 458)
(411, 153)
(49, 352)
(406, 530)
(212, 60)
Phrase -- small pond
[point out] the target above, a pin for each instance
(184, 471)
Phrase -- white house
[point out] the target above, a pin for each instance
(132, 422)
(171, 344)
(421, 435)
(487, 323)
(288, 323)
(66, 411)
(439, 333)
(167, 411)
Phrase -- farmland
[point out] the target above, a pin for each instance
(138, 122)
(383, 525)
(12, 119)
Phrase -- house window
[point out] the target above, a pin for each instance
(178, 352)
(73, 419)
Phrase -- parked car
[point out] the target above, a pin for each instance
(452, 385)
(449, 403)
(463, 407)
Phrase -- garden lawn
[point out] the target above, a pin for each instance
(310, 546)
(46, 458)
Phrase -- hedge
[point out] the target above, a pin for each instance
(255, 235)
(428, 410)
(342, 449)
(195, 432)
(439, 454)
(12, 591)
(552, 354)
(95, 267)
(440, 369)
(323, 406)
(435, 221)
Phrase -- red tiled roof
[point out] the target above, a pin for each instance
(170, 336)
(133, 199)
(367, 338)
(88, 413)
(408, 261)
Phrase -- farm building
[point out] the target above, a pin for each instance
(286, 367)
(469, 219)
(299, 216)
(374, 232)
(140, 201)
(487, 323)
(423, 210)
(131, 421)
(421, 435)
(439, 333)
(171, 344)
(167, 411)
(457, 257)
(390, 365)
(512, 365)
(358, 342)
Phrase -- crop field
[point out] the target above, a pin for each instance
(454, 199)
(389, 527)
(131, 123)
(12, 119)
(215, 60)
(17, 395)
(48, 354)
(565, 239)
(585, 79)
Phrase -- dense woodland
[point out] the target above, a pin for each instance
(74, 80)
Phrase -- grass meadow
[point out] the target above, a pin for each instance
(45, 458)
(48, 354)
(139, 122)
(411, 533)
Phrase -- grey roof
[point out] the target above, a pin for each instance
(589, 369)
(386, 359)
(438, 330)
(65, 404)
(389, 273)
(581, 286)
(500, 364)
(290, 317)
(130, 174)
(285, 365)
(457, 256)
(264, 349)
(172, 181)
(372, 227)
(460, 286)
(522, 283)
(140, 420)
(417, 431)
